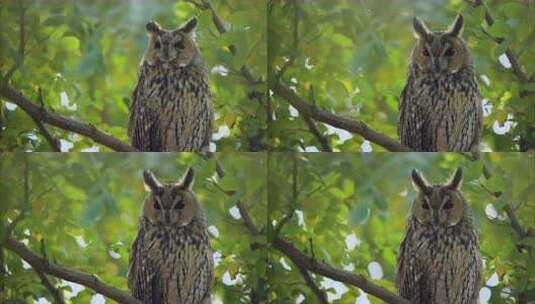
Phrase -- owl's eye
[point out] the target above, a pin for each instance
(449, 52)
(448, 205)
(156, 205)
(179, 45)
(426, 53)
(157, 45)
(179, 205)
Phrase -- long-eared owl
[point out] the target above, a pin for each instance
(439, 259)
(171, 259)
(440, 107)
(171, 107)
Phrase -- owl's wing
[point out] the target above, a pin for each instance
(411, 122)
(469, 293)
(410, 280)
(143, 276)
(143, 130)
(467, 134)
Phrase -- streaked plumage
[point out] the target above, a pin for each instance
(171, 259)
(171, 106)
(440, 107)
(439, 261)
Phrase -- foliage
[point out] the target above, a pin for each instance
(85, 56)
(351, 58)
(353, 210)
(85, 210)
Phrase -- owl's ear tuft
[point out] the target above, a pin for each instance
(189, 26)
(418, 182)
(151, 182)
(187, 180)
(456, 28)
(455, 180)
(420, 29)
(153, 28)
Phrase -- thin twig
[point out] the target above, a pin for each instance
(52, 141)
(56, 293)
(320, 294)
(22, 45)
(516, 67)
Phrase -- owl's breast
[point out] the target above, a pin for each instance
(183, 264)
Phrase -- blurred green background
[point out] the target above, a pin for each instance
(85, 56)
(354, 209)
(85, 207)
(352, 58)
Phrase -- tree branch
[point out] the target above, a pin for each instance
(310, 264)
(334, 120)
(40, 114)
(22, 45)
(343, 276)
(220, 26)
(324, 142)
(90, 281)
(320, 294)
(56, 293)
(52, 141)
(509, 209)
(517, 69)
(515, 223)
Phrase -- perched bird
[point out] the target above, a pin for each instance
(440, 107)
(171, 259)
(439, 261)
(171, 107)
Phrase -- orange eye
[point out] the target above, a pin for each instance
(156, 205)
(157, 45)
(179, 205)
(448, 205)
(426, 53)
(449, 52)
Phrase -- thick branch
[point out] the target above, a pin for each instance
(334, 120)
(38, 113)
(305, 262)
(343, 276)
(90, 281)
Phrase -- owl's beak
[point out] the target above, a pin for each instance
(167, 218)
(435, 218)
(436, 68)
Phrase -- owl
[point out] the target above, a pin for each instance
(440, 107)
(171, 259)
(439, 259)
(171, 108)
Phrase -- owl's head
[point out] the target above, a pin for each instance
(170, 204)
(171, 48)
(439, 205)
(440, 52)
